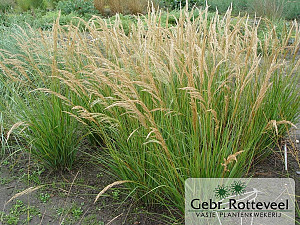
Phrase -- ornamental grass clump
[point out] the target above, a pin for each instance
(169, 103)
(51, 135)
(34, 114)
(172, 103)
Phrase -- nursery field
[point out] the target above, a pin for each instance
(107, 108)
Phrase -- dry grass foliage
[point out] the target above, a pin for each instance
(230, 159)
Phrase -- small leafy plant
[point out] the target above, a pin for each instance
(76, 211)
(16, 211)
(44, 197)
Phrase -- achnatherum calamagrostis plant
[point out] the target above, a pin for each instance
(49, 133)
(175, 102)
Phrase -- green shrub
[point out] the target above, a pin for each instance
(12, 19)
(291, 10)
(80, 7)
(222, 6)
(274, 9)
(25, 5)
(41, 19)
(51, 3)
(46, 21)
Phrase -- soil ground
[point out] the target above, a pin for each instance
(66, 198)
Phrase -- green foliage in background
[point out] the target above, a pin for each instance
(274, 9)
(40, 19)
(25, 5)
(81, 7)
(177, 4)
(6, 5)
(46, 21)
